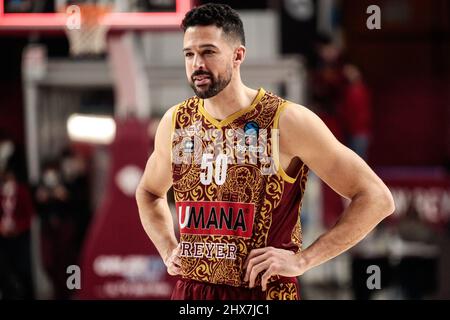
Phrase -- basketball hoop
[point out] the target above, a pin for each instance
(85, 30)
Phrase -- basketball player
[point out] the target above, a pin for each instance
(238, 203)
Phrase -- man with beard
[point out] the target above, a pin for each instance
(238, 164)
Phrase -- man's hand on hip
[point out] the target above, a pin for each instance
(271, 261)
(173, 262)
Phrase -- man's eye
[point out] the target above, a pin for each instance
(208, 52)
(188, 54)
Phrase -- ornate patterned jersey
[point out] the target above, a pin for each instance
(231, 194)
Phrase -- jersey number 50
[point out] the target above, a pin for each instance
(221, 165)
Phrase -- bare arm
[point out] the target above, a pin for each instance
(303, 134)
(151, 194)
(346, 173)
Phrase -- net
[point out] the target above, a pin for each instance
(85, 30)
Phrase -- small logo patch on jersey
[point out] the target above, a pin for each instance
(216, 218)
(251, 130)
(188, 146)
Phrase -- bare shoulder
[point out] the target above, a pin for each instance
(157, 174)
(298, 117)
(303, 132)
(168, 115)
(165, 125)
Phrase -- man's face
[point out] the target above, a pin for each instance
(209, 60)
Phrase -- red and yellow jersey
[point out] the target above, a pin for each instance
(231, 194)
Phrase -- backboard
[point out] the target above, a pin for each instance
(50, 15)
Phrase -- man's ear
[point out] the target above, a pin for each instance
(239, 55)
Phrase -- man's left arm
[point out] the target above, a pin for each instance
(303, 134)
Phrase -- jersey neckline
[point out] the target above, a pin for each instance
(233, 116)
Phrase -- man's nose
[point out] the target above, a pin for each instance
(198, 62)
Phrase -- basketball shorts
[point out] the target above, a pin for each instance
(185, 289)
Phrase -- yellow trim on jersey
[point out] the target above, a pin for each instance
(220, 123)
(174, 119)
(276, 146)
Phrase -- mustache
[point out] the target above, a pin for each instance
(201, 72)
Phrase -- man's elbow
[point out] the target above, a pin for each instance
(142, 195)
(385, 201)
(138, 193)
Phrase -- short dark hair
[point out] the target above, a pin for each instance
(220, 15)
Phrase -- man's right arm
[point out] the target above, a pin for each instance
(151, 194)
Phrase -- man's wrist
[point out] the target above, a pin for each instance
(165, 257)
(168, 253)
(303, 262)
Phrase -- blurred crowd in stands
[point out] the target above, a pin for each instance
(60, 200)
(340, 96)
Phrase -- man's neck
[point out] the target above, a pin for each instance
(233, 98)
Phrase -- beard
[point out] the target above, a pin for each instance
(215, 86)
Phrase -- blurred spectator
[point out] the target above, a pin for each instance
(6, 151)
(327, 85)
(13, 157)
(16, 212)
(355, 111)
(58, 228)
(341, 97)
(75, 179)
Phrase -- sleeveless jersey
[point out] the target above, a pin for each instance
(231, 195)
